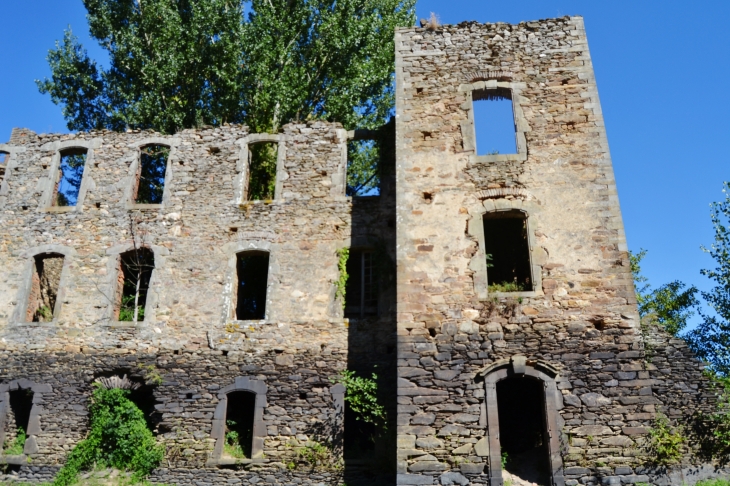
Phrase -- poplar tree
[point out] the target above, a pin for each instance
(177, 64)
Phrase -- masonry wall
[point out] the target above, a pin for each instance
(578, 328)
(188, 337)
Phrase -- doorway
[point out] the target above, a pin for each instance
(522, 429)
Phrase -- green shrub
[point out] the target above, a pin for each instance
(506, 287)
(232, 444)
(714, 482)
(16, 447)
(665, 441)
(362, 396)
(118, 438)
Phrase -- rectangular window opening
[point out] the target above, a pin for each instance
(239, 425)
(508, 253)
(262, 170)
(363, 168)
(151, 174)
(361, 290)
(17, 418)
(4, 157)
(135, 272)
(45, 282)
(252, 272)
(494, 122)
(68, 180)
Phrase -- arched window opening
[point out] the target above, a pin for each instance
(135, 272)
(45, 282)
(239, 425)
(508, 253)
(363, 168)
(17, 417)
(150, 183)
(68, 179)
(262, 158)
(252, 272)
(522, 429)
(361, 290)
(494, 121)
(4, 157)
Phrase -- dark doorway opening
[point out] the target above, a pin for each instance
(239, 424)
(359, 436)
(17, 419)
(506, 244)
(522, 430)
(252, 270)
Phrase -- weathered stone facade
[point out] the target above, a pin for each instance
(576, 332)
(573, 334)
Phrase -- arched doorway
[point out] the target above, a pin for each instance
(522, 403)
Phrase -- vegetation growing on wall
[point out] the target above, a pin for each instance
(362, 396)
(665, 442)
(341, 284)
(118, 438)
(15, 447)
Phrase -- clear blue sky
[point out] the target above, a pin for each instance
(663, 71)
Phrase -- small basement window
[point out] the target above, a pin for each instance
(68, 180)
(494, 122)
(361, 292)
(17, 418)
(239, 425)
(508, 253)
(151, 174)
(363, 168)
(252, 272)
(135, 272)
(262, 170)
(44, 287)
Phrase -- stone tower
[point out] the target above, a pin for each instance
(546, 376)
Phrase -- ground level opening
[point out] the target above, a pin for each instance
(16, 421)
(522, 431)
(239, 424)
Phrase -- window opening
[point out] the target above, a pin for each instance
(68, 181)
(262, 170)
(45, 282)
(363, 168)
(508, 253)
(151, 174)
(494, 122)
(252, 270)
(239, 424)
(17, 418)
(134, 277)
(361, 293)
(522, 428)
(4, 157)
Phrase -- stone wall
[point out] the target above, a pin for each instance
(577, 331)
(188, 338)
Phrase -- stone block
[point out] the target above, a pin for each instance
(450, 478)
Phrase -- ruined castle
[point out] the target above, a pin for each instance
(490, 293)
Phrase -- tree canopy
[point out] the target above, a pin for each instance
(177, 64)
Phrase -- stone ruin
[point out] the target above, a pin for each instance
(490, 292)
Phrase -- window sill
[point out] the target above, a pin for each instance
(124, 323)
(59, 209)
(20, 459)
(483, 159)
(232, 461)
(43, 324)
(258, 202)
(144, 207)
(531, 293)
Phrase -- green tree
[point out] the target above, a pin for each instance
(711, 338)
(177, 64)
(670, 304)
